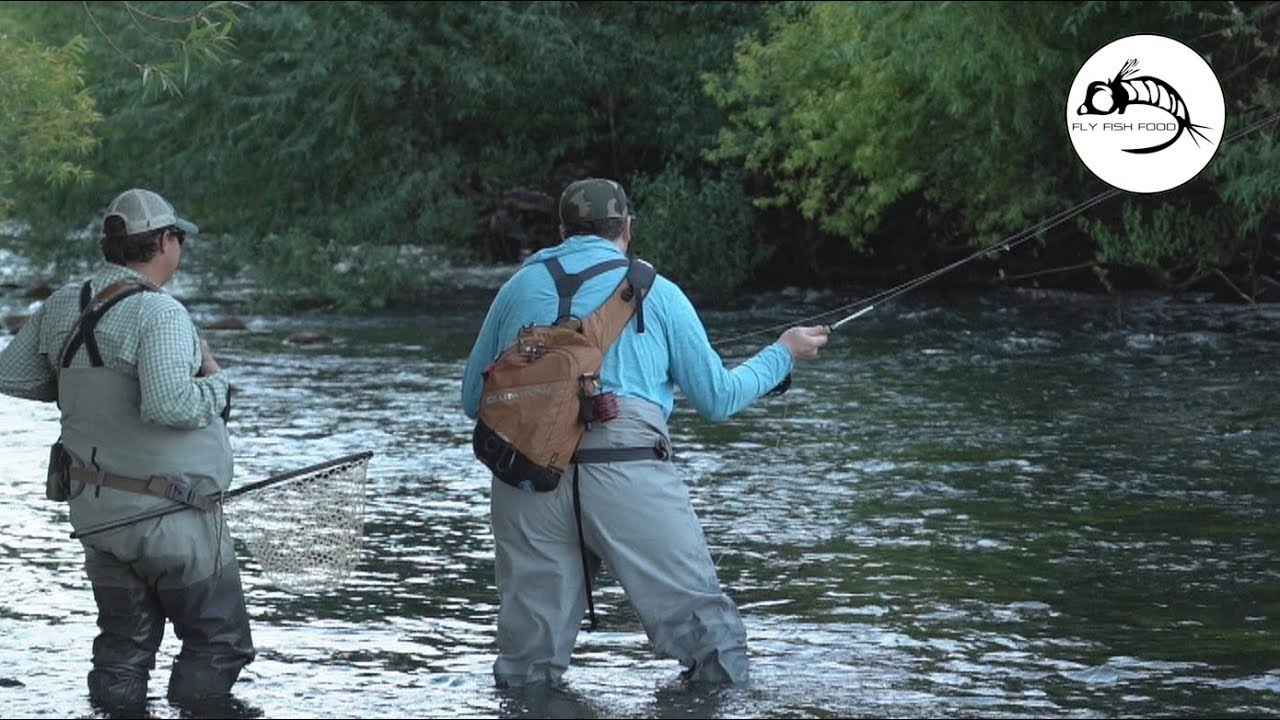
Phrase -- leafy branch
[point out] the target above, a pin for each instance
(207, 38)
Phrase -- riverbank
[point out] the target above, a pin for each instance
(451, 284)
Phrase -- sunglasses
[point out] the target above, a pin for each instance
(178, 235)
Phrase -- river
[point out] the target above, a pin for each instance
(1000, 505)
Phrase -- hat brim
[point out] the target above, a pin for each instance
(186, 226)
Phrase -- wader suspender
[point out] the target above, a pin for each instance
(91, 313)
(640, 276)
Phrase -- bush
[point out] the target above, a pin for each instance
(698, 233)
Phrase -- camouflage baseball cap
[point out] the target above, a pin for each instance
(592, 199)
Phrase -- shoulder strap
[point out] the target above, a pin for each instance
(568, 284)
(605, 324)
(92, 311)
(640, 276)
(75, 339)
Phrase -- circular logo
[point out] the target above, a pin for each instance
(1145, 113)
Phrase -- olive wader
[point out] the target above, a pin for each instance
(181, 566)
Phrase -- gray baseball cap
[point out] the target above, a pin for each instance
(143, 210)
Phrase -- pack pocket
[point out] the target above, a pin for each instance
(58, 482)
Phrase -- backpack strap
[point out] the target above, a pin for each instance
(91, 312)
(568, 284)
(605, 324)
(640, 275)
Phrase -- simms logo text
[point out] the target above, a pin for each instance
(510, 396)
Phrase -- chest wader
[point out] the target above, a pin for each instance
(566, 285)
(181, 566)
(119, 465)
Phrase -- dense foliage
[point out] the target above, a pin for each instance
(950, 114)
(764, 143)
(47, 118)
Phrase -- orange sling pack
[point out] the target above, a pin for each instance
(537, 398)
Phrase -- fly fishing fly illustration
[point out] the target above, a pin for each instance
(1114, 95)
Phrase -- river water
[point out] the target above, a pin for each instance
(1003, 506)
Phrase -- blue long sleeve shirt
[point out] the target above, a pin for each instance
(673, 351)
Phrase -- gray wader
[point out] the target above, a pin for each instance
(637, 518)
(181, 566)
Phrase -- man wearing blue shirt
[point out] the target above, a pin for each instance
(634, 515)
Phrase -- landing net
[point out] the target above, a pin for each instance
(304, 529)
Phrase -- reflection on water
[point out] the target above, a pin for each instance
(1011, 507)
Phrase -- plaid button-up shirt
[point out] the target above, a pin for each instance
(149, 336)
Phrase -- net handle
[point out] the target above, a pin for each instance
(158, 512)
(348, 460)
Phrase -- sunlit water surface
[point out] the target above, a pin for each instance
(1019, 506)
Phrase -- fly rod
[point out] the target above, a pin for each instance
(868, 304)
(1005, 244)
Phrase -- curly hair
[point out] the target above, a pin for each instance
(121, 248)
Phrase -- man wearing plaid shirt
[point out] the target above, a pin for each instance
(144, 409)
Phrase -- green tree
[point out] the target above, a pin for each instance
(855, 113)
(162, 40)
(50, 114)
(47, 117)
(342, 135)
(702, 233)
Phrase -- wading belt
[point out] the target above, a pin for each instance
(596, 456)
(158, 486)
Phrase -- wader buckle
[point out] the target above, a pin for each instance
(181, 492)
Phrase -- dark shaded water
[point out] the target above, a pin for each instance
(1002, 507)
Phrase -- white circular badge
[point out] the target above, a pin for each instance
(1145, 113)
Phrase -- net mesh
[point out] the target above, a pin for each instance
(304, 532)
